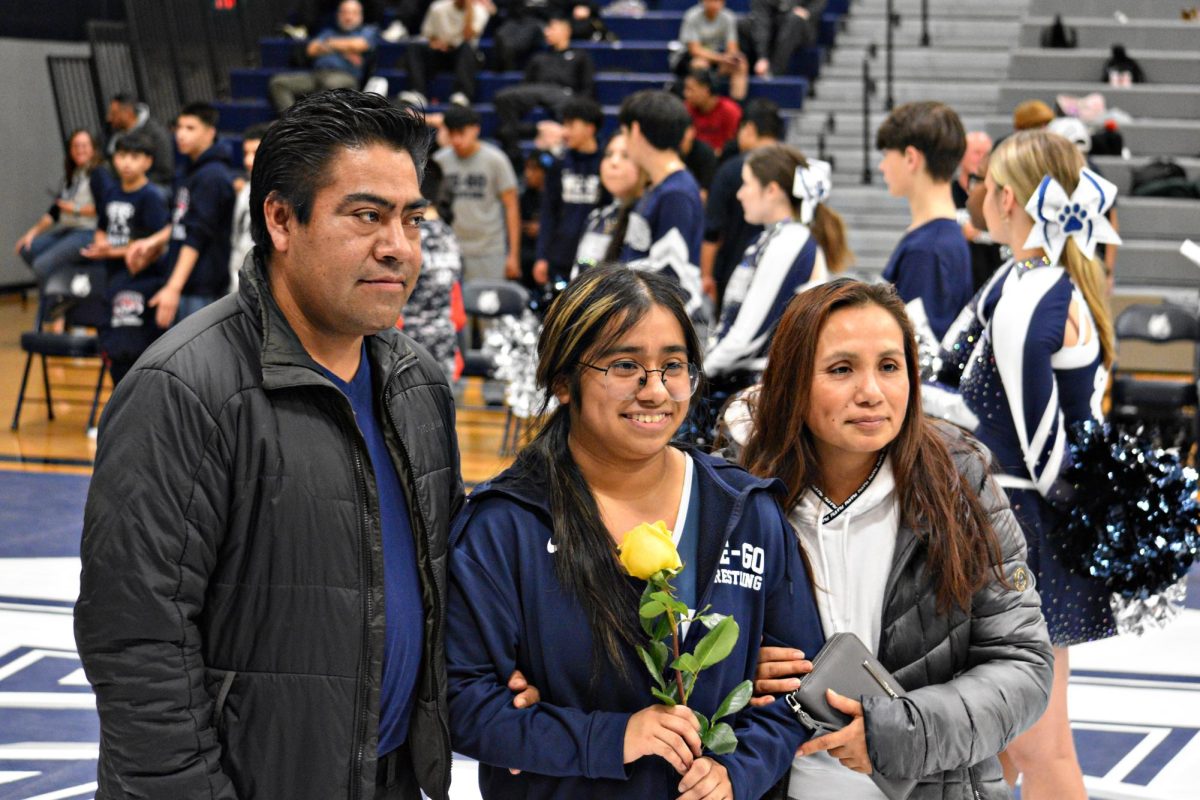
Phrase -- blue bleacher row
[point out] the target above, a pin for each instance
(639, 60)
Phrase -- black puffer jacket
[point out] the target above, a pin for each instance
(231, 612)
(975, 680)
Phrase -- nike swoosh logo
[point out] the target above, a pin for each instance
(551, 548)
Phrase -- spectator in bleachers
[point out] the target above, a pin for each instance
(132, 208)
(700, 160)
(714, 116)
(68, 225)
(727, 234)
(533, 176)
(775, 29)
(572, 192)
(125, 116)
(985, 254)
(665, 228)
(604, 231)
(922, 145)
(1031, 114)
(520, 31)
(451, 33)
(709, 34)
(427, 318)
(552, 77)
(198, 238)
(487, 220)
(339, 58)
(241, 242)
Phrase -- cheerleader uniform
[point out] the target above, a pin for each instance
(784, 261)
(1024, 389)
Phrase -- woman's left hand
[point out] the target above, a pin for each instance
(706, 780)
(849, 745)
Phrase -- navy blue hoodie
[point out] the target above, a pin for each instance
(572, 190)
(508, 611)
(203, 218)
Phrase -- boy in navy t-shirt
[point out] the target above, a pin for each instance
(922, 145)
(571, 191)
(130, 210)
(667, 226)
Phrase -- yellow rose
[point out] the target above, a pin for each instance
(647, 549)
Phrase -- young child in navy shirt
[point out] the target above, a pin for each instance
(667, 226)
(922, 145)
(130, 210)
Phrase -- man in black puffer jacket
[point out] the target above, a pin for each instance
(264, 547)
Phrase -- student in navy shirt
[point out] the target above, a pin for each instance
(571, 192)
(535, 584)
(922, 145)
(130, 210)
(667, 225)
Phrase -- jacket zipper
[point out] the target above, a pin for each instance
(405, 364)
(364, 587)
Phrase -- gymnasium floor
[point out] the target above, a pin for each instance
(1135, 701)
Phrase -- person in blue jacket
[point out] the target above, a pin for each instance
(535, 584)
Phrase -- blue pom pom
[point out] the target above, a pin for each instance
(1134, 519)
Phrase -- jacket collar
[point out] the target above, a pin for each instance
(285, 362)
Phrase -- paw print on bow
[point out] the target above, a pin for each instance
(1080, 216)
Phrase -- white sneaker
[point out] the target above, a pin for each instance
(413, 98)
(376, 85)
(460, 99)
(395, 32)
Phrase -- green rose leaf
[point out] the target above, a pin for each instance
(654, 669)
(717, 643)
(687, 663)
(710, 621)
(660, 654)
(651, 609)
(735, 701)
(704, 724)
(720, 739)
(666, 699)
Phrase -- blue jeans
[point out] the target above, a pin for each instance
(58, 247)
(191, 303)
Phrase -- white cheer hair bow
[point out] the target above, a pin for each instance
(1080, 216)
(812, 185)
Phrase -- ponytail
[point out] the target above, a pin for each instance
(829, 229)
(1087, 274)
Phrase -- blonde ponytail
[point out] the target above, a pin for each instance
(1088, 276)
(829, 229)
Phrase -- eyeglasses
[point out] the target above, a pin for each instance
(625, 378)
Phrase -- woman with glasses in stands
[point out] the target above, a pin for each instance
(536, 584)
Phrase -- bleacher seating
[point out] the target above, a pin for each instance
(639, 59)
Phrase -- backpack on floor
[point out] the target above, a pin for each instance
(1162, 177)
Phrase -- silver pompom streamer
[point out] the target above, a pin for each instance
(1137, 616)
(511, 342)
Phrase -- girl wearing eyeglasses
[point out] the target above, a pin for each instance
(536, 585)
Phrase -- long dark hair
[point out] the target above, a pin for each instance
(935, 499)
(595, 311)
(69, 165)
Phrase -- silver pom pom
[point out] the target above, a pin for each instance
(1157, 611)
(512, 344)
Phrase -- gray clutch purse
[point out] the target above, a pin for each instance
(846, 666)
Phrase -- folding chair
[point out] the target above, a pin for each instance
(77, 294)
(1161, 406)
(487, 299)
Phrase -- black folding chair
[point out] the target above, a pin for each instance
(76, 293)
(1165, 410)
(490, 300)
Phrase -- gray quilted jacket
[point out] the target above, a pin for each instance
(975, 680)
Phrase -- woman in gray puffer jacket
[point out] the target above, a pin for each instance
(911, 546)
